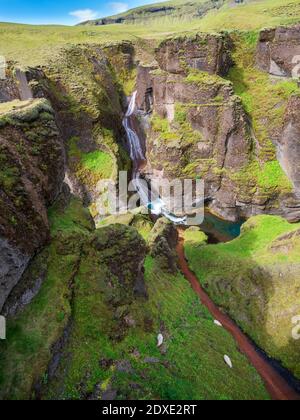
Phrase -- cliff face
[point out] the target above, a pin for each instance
(145, 14)
(95, 330)
(278, 53)
(209, 53)
(257, 282)
(199, 128)
(289, 143)
(31, 174)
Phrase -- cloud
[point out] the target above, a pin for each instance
(118, 7)
(84, 14)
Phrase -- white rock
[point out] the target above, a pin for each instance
(228, 361)
(160, 340)
(218, 323)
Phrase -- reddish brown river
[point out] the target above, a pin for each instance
(219, 230)
(276, 385)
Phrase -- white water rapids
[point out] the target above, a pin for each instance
(148, 197)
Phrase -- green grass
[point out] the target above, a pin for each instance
(179, 133)
(25, 355)
(98, 163)
(253, 15)
(9, 175)
(80, 285)
(255, 279)
(265, 102)
(195, 346)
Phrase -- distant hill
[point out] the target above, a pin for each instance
(174, 8)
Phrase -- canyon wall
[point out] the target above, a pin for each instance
(71, 132)
(199, 128)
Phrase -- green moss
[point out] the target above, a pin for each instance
(271, 177)
(82, 284)
(264, 100)
(90, 167)
(98, 163)
(267, 178)
(25, 355)
(20, 112)
(74, 218)
(195, 349)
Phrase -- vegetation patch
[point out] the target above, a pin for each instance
(90, 167)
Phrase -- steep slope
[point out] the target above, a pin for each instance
(97, 317)
(208, 117)
(255, 278)
(73, 132)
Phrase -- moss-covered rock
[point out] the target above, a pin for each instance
(162, 241)
(93, 338)
(255, 278)
(31, 175)
(238, 134)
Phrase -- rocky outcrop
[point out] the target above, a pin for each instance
(204, 52)
(289, 143)
(278, 51)
(257, 283)
(31, 175)
(162, 241)
(14, 85)
(8, 89)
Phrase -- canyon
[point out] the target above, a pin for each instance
(194, 114)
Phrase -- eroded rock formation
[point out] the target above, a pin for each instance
(210, 53)
(278, 51)
(199, 128)
(32, 171)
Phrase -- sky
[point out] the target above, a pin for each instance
(62, 12)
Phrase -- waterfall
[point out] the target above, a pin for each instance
(148, 198)
(136, 152)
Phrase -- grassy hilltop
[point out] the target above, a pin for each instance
(34, 45)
